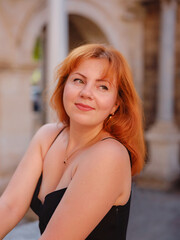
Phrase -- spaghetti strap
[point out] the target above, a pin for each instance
(40, 179)
(123, 145)
(57, 136)
(35, 202)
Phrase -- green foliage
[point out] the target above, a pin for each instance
(38, 50)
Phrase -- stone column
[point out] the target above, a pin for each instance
(167, 61)
(163, 138)
(57, 41)
(132, 16)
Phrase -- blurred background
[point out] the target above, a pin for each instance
(36, 35)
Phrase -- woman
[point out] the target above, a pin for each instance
(76, 174)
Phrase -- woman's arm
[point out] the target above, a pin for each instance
(16, 198)
(103, 174)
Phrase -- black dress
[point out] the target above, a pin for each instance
(112, 227)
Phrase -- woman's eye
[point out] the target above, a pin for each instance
(77, 80)
(104, 87)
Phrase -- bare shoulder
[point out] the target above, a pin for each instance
(110, 159)
(48, 131)
(112, 152)
(49, 128)
(46, 134)
(106, 166)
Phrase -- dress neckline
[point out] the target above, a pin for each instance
(63, 190)
(53, 193)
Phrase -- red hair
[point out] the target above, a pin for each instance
(126, 125)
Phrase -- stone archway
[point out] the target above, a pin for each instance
(96, 17)
(82, 30)
(32, 30)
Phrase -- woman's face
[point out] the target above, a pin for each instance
(89, 98)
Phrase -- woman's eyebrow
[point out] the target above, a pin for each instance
(104, 80)
(80, 74)
(98, 80)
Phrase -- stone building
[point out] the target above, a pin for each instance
(147, 32)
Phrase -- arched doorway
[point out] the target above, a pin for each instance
(82, 30)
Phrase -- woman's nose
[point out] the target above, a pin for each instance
(87, 92)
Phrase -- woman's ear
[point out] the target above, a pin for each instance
(115, 107)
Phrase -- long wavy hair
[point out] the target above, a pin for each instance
(126, 124)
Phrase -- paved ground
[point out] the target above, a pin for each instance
(155, 215)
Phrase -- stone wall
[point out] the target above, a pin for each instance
(17, 38)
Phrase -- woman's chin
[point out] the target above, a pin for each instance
(86, 122)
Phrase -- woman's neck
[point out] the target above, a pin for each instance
(81, 136)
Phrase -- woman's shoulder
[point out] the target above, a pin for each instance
(108, 160)
(47, 133)
(110, 151)
(112, 147)
(49, 129)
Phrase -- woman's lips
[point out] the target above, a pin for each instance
(84, 107)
